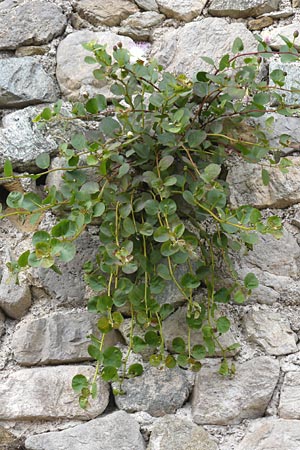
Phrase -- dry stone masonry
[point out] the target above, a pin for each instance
(43, 321)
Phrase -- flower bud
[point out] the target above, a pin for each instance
(115, 48)
(296, 33)
(119, 44)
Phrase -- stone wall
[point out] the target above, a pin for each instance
(43, 321)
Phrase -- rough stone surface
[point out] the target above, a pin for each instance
(175, 325)
(117, 431)
(15, 299)
(185, 10)
(157, 392)
(272, 434)
(246, 186)
(242, 8)
(32, 22)
(24, 82)
(259, 24)
(2, 320)
(271, 331)
(272, 37)
(291, 80)
(139, 26)
(296, 3)
(58, 338)
(281, 125)
(46, 393)
(223, 401)
(289, 406)
(8, 441)
(74, 76)
(31, 50)
(180, 50)
(102, 12)
(21, 141)
(178, 434)
(147, 5)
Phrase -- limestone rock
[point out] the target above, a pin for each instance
(46, 393)
(15, 299)
(175, 325)
(24, 82)
(272, 433)
(179, 434)
(8, 441)
(157, 392)
(242, 8)
(58, 338)
(70, 286)
(74, 76)
(259, 24)
(147, 5)
(102, 12)
(296, 3)
(289, 406)
(180, 50)
(271, 331)
(223, 401)
(21, 141)
(281, 125)
(292, 73)
(185, 10)
(2, 320)
(246, 186)
(116, 431)
(272, 37)
(31, 50)
(139, 26)
(29, 23)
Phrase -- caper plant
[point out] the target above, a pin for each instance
(159, 198)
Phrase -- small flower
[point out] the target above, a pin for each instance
(138, 51)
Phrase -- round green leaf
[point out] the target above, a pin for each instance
(178, 345)
(223, 325)
(79, 382)
(43, 160)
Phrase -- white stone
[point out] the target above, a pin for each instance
(185, 10)
(15, 299)
(102, 12)
(242, 8)
(272, 37)
(289, 406)
(291, 81)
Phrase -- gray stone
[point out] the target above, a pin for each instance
(175, 325)
(29, 23)
(291, 80)
(289, 406)
(21, 141)
(102, 12)
(185, 10)
(31, 50)
(24, 82)
(222, 401)
(272, 434)
(58, 338)
(139, 26)
(2, 320)
(15, 299)
(246, 186)
(147, 5)
(296, 3)
(116, 431)
(46, 393)
(179, 434)
(157, 392)
(8, 441)
(180, 50)
(271, 331)
(74, 76)
(242, 8)
(70, 286)
(272, 37)
(281, 125)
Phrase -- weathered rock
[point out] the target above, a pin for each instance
(175, 325)
(46, 393)
(292, 72)
(179, 434)
(289, 406)
(259, 24)
(180, 50)
(70, 286)
(2, 320)
(271, 331)
(246, 186)
(29, 23)
(281, 125)
(157, 392)
(15, 299)
(296, 3)
(223, 401)
(139, 26)
(24, 82)
(272, 37)
(31, 50)
(147, 5)
(8, 441)
(185, 10)
(281, 13)
(21, 141)
(115, 431)
(58, 338)
(242, 8)
(101, 12)
(267, 434)
(74, 76)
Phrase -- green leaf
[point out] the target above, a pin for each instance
(195, 138)
(110, 126)
(166, 162)
(237, 45)
(135, 370)
(78, 141)
(8, 169)
(198, 352)
(170, 362)
(211, 172)
(166, 310)
(90, 187)
(239, 297)
(43, 160)
(99, 209)
(65, 251)
(104, 325)
(112, 356)
(278, 77)
(15, 199)
(190, 281)
(178, 345)
(161, 234)
(96, 104)
(156, 99)
(109, 373)
(95, 353)
(152, 338)
(265, 177)
(168, 207)
(79, 382)
(223, 325)
(250, 281)
(23, 259)
(138, 344)
(208, 61)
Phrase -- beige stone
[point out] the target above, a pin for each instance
(259, 24)
(103, 12)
